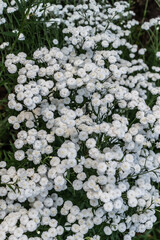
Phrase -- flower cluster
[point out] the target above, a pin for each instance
(87, 132)
(10, 8)
(3, 5)
(4, 45)
(152, 22)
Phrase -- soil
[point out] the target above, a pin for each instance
(153, 10)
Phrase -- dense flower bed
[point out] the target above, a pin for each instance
(86, 130)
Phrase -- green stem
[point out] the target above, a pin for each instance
(157, 3)
(21, 29)
(145, 11)
(144, 15)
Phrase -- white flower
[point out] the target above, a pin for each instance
(59, 76)
(91, 143)
(75, 228)
(12, 68)
(2, 235)
(64, 92)
(141, 228)
(108, 206)
(79, 99)
(60, 230)
(101, 167)
(83, 136)
(157, 129)
(158, 54)
(125, 166)
(55, 41)
(112, 59)
(107, 230)
(118, 204)
(127, 237)
(77, 185)
(132, 202)
(105, 43)
(139, 138)
(59, 132)
(62, 152)
(71, 218)
(28, 102)
(52, 232)
(59, 180)
(122, 227)
(31, 226)
(18, 143)
(43, 181)
(19, 155)
(18, 232)
(5, 178)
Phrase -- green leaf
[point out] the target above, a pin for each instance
(9, 34)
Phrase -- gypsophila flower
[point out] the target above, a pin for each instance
(85, 129)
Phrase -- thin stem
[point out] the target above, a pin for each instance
(139, 174)
(144, 15)
(145, 11)
(157, 3)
